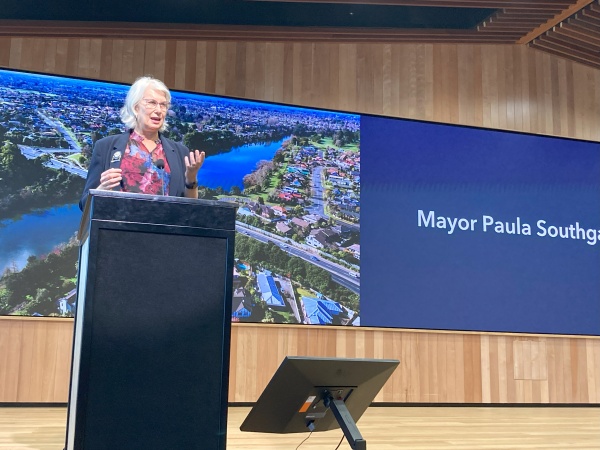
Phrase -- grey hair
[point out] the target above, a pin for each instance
(135, 95)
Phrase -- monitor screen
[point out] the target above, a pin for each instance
(343, 219)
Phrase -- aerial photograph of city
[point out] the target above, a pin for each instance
(293, 172)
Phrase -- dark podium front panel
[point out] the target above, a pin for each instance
(152, 328)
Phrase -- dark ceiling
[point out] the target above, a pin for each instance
(567, 28)
(243, 12)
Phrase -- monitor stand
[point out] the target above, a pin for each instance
(347, 423)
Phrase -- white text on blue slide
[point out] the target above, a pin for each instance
(514, 226)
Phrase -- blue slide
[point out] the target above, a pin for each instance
(475, 229)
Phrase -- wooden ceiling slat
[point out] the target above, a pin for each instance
(516, 32)
(518, 28)
(583, 33)
(566, 53)
(591, 15)
(566, 56)
(592, 28)
(519, 22)
(533, 12)
(517, 17)
(533, 15)
(566, 43)
(568, 31)
(593, 9)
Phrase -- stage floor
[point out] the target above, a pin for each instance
(384, 428)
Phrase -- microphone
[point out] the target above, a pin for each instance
(160, 165)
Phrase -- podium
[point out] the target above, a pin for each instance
(150, 365)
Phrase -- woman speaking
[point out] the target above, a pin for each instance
(142, 160)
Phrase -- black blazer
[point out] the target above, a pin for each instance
(105, 148)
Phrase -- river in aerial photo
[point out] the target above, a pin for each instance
(38, 233)
(228, 169)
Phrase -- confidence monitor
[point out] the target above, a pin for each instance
(303, 390)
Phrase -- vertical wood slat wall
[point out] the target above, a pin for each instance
(497, 86)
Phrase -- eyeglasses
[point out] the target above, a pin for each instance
(153, 104)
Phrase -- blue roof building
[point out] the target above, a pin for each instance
(268, 290)
(320, 311)
(241, 307)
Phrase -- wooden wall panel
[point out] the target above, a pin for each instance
(436, 367)
(35, 358)
(498, 86)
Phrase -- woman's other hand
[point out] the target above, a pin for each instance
(110, 179)
(193, 162)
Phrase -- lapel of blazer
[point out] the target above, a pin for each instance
(119, 145)
(175, 161)
(170, 151)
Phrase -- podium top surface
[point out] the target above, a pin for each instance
(159, 198)
(113, 206)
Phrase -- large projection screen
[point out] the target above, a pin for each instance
(344, 219)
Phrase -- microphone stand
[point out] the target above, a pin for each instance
(160, 165)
